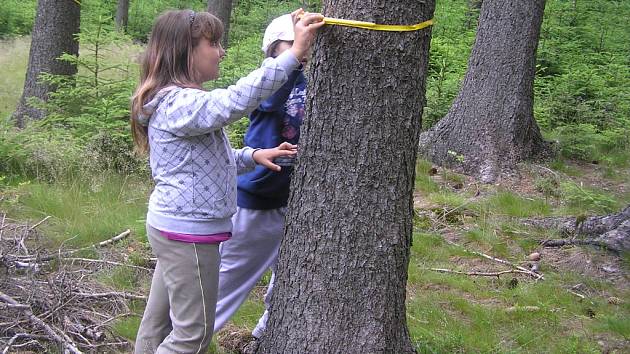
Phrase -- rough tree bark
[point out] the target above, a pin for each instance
(56, 23)
(491, 124)
(122, 15)
(223, 10)
(342, 268)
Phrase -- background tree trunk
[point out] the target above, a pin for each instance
(122, 15)
(223, 10)
(342, 269)
(56, 23)
(491, 123)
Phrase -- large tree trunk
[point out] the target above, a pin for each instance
(223, 10)
(342, 268)
(490, 126)
(56, 23)
(122, 15)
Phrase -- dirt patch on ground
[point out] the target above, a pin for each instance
(234, 339)
(594, 264)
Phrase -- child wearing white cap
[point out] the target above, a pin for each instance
(262, 194)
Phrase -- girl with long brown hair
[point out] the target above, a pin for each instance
(194, 168)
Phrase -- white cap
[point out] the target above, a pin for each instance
(281, 28)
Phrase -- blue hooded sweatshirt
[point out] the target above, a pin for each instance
(276, 120)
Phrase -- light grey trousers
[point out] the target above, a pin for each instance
(253, 249)
(179, 316)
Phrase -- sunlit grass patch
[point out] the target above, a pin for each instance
(488, 239)
(85, 211)
(448, 199)
(581, 199)
(120, 278)
(424, 182)
(510, 204)
(13, 61)
(615, 323)
(127, 327)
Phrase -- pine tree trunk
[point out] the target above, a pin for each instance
(223, 10)
(341, 281)
(56, 23)
(491, 123)
(122, 15)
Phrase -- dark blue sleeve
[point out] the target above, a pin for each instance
(277, 100)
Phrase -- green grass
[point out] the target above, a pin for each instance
(456, 313)
(424, 182)
(616, 324)
(509, 204)
(127, 327)
(248, 314)
(487, 239)
(121, 278)
(84, 211)
(588, 200)
(13, 61)
(453, 313)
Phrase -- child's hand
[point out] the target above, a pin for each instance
(265, 157)
(306, 25)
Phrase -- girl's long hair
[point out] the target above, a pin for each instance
(168, 60)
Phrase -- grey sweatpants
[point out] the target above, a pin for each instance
(179, 316)
(252, 250)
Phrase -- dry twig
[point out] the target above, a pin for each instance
(39, 223)
(62, 338)
(111, 294)
(101, 244)
(483, 274)
(498, 260)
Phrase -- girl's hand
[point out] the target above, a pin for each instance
(265, 157)
(306, 25)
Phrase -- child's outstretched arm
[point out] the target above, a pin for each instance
(196, 112)
(193, 112)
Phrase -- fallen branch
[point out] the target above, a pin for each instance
(62, 339)
(483, 274)
(110, 294)
(101, 244)
(111, 319)
(5, 305)
(88, 260)
(39, 223)
(571, 242)
(523, 309)
(577, 294)
(17, 336)
(498, 260)
(2, 225)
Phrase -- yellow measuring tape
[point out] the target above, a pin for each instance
(377, 27)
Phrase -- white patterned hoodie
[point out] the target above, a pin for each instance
(192, 163)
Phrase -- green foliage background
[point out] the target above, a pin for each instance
(582, 87)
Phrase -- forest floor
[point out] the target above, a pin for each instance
(580, 304)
